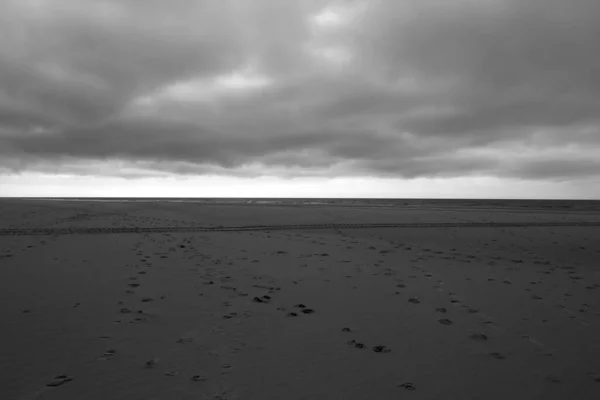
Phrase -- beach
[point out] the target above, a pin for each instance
(299, 299)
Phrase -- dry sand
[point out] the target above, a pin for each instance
(99, 301)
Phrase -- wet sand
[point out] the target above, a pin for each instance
(299, 300)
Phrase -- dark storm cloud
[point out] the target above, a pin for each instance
(512, 63)
(428, 84)
(146, 140)
(85, 59)
(557, 168)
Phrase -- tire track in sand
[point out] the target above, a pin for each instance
(243, 228)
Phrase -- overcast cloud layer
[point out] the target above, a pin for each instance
(396, 88)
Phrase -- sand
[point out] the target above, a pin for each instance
(289, 300)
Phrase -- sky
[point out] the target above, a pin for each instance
(300, 98)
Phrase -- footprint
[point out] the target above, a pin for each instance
(595, 376)
(445, 321)
(407, 386)
(480, 337)
(59, 380)
(262, 299)
(381, 349)
(151, 363)
(498, 356)
(355, 344)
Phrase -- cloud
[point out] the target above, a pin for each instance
(411, 88)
